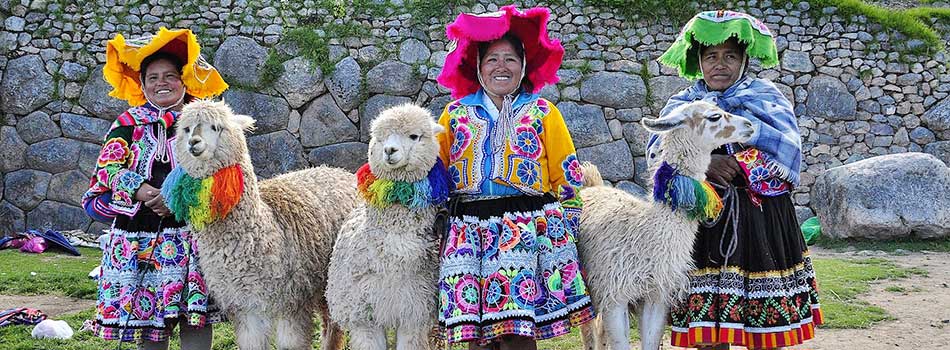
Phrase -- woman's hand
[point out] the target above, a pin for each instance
(157, 205)
(146, 193)
(722, 169)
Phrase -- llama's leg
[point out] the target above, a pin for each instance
(652, 320)
(587, 334)
(331, 336)
(368, 338)
(410, 337)
(252, 331)
(295, 331)
(617, 326)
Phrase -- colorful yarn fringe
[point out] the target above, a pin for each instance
(698, 199)
(200, 202)
(382, 193)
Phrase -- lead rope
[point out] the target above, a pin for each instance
(730, 199)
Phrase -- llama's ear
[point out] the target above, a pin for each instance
(437, 128)
(245, 122)
(667, 123)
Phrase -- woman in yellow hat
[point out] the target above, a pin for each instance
(150, 280)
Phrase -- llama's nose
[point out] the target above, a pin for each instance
(390, 150)
(748, 124)
(193, 142)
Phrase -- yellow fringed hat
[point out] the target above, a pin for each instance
(124, 59)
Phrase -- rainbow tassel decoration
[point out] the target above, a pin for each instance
(200, 202)
(698, 199)
(381, 193)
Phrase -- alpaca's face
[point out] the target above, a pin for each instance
(403, 144)
(210, 137)
(708, 123)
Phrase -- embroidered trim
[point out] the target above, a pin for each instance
(698, 199)
(202, 201)
(382, 193)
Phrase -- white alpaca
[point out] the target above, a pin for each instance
(637, 252)
(265, 261)
(384, 269)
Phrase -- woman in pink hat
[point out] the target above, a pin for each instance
(510, 273)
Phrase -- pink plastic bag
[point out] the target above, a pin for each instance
(34, 245)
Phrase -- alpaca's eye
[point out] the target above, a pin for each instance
(187, 129)
(414, 137)
(714, 117)
(214, 128)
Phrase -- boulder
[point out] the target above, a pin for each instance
(57, 216)
(614, 89)
(323, 123)
(938, 117)
(270, 113)
(885, 197)
(347, 155)
(96, 100)
(393, 78)
(12, 149)
(26, 85)
(36, 127)
(829, 98)
(940, 149)
(240, 60)
(68, 187)
(300, 82)
(12, 218)
(586, 123)
(612, 159)
(26, 188)
(275, 153)
(83, 128)
(346, 84)
(663, 87)
(53, 156)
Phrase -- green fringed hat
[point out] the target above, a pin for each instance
(712, 28)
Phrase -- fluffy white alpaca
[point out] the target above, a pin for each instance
(264, 246)
(637, 252)
(384, 269)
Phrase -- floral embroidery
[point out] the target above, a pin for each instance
(758, 174)
(115, 151)
(756, 165)
(463, 138)
(526, 142)
(572, 168)
(527, 173)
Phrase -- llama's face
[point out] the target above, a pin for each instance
(709, 124)
(403, 144)
(210, 137)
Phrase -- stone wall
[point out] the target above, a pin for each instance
(856, 94)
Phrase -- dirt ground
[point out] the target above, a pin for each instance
(922, 313)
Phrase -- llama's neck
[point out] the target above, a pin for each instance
(679, 178)
(680, 149)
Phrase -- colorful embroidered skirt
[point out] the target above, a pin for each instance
(140, 292)
(765, 297)
(510, 267)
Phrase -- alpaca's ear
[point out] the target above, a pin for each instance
(437, 128)
(667, 123)
(245, 122)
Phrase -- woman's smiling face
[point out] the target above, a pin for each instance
(162, 83)
(500, 68)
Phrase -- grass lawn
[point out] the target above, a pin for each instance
(841, 282)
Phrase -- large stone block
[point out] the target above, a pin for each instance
(347, 155)
(53, 156)
(240, 60)
(885, 197)
(664, 87)
(275, 153)
(586, 123)
(346, 84)
(12, 218)
(57, 216)
(797, 61)
(637, 136)
(83, 128)
(371, 109)
(26, 86)
(393, 78)
(26, 188)
(300, 82)
(270, 113)
(323, 123)
(939, 149)
(96, 100)
(36, 127)
(12, 149)
(613, 159)
(68, 187)
(413, 51)
(938, 117)
(614, 89)
(829, 98)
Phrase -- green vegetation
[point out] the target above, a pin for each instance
(48, 273)
(645, 75)
(907, 22)
(840, 282)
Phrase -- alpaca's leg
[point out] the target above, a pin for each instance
(617, 326)
(331, 336)
(412, 338)
(252, 331)
(295, 331)
(652, 320)
(368, 339)
(589, 334)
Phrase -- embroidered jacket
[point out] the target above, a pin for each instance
(135, 141)
(538, 154)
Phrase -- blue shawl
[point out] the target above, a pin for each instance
(765, 106)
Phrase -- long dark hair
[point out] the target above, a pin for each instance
(519, 50)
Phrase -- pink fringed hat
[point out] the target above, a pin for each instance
(542, 54)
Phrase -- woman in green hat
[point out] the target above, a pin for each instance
(754, 284)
